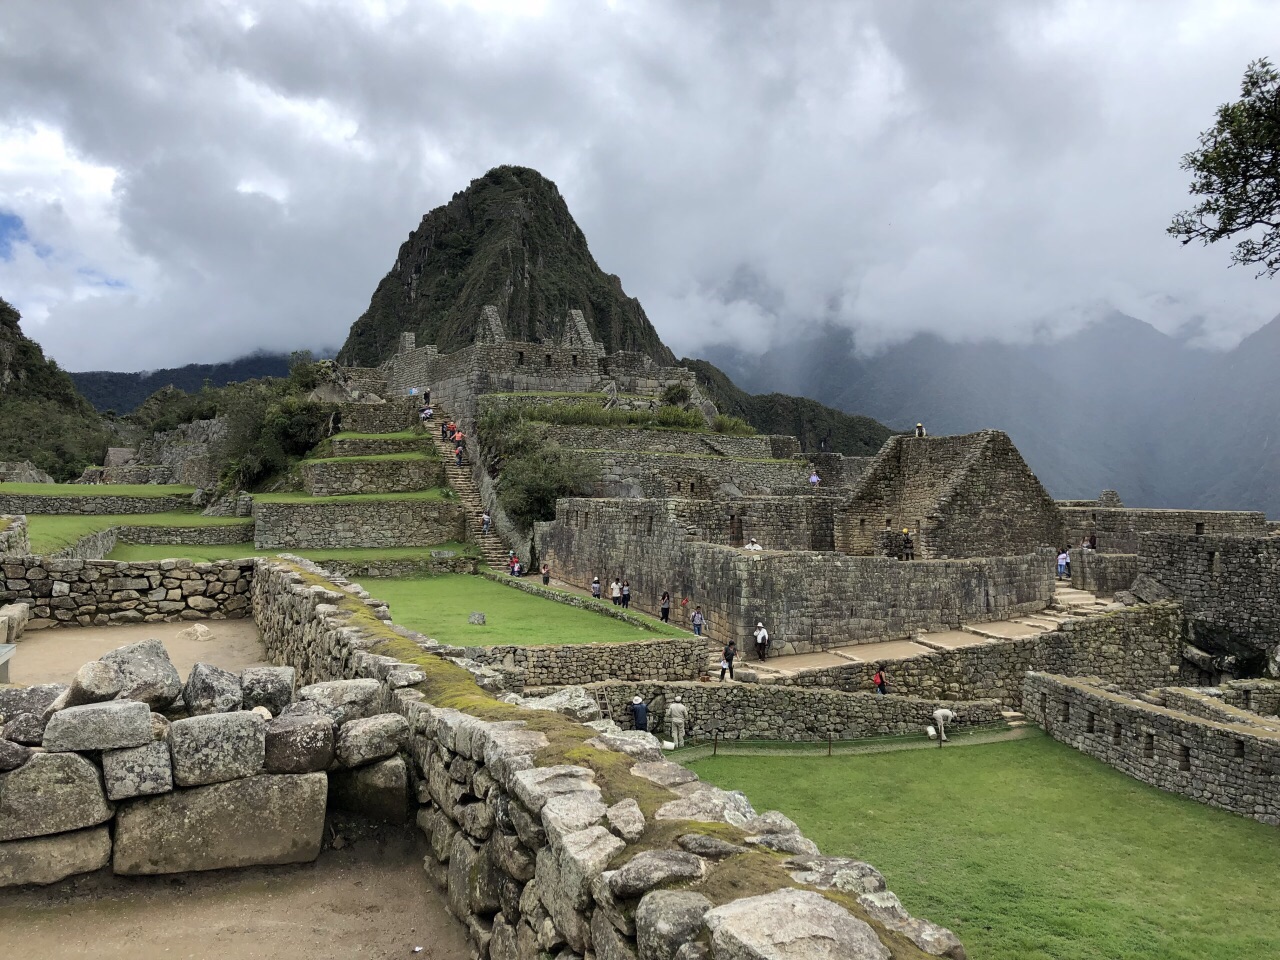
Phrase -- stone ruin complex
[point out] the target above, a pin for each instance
(1156, 658)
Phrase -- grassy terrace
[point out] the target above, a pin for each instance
(401, 435)
(375, 457)
(50, 533)
(234, 551)
(436, 493)
(439, 606)
(147, 490)
(1032, 851)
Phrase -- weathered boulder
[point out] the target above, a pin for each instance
(667, 919)
(664, 773)
(197, 633)
(566, 870)
(364, 741)
(379, 791)
(53, 858)
(655, 868)
(36, 699)
(712, 848)
(836, 873)
(791, 925)
(137, 771)
(24, 728)
(211, 689)
(536, 786)
(607, 942)
(94, 682)
(626, 819)
(568, 813)
(256, 820)
(299, 744)
(270, 687)
(51, 793)
(217, 747)
(147, 673)
(511, 856)
(355, 698)
(929, 937)
(634, 743)
(312, 708)
(572, 702)
(708, 804)
(462, 862)
(99, 726)
(13, 755)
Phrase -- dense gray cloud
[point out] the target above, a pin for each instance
(183, 182)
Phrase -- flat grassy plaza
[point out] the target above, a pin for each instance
(439, 607)
(141, 552)
(1029, 850)
(51, 532)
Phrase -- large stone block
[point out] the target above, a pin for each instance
(270, 687)
(566, 870)
(54, 858)
(211, 689)
(668, 919)
(299, 744)
(148, 673)
(379, 791)
(364, 741)
(16, 700)
(791, 925)
(51, 793)
(138, 771)
(99, 726)
(258, 820)
(354, 698)
(217, 747)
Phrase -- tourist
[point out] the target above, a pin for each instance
(486, 522)
(426, 396)
(513, 562)
(422, 414)
(595, 587)
(626, 594)
(457, 452)
(1093, 541)
(726, 659)
(814, 480)
(697, 620)
(639, 714)
(677, 716)
(920, 431)
(615, 592)
(446, 430)
(908, 545)
(882, 685)
(1063, 559)
(429, 413)
(752, 544)
(664, 607)
(546, 574)
(762, 642)
(941, 717)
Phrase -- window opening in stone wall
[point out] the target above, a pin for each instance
(735, 531)
(1044, 705)
(1093, 517)
(1184, 757)
(1066, 711)
(650, 526)
(1116, 732)
(1149, 745)
(1248, 699)
(548, 359)
(1239, 750)
(1199, 529)
(573, 358)
(519, 358)
(1088, 721)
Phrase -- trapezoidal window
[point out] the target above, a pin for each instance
(1149, 745)
(519, 358)
(573, 358)
(548, 359)
(1199, 529)
(1117, 733)
(1215, 563)
(1088, 721)
(1184, 757)
(1066, 711)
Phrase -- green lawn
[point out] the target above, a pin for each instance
(1031, 851)
(439, 606)
(436, 493)
(410, 455)
(50, 533)
(146, 551)
(147, 490)
(400, 435)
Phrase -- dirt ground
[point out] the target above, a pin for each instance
(54, 655)
(370, 900)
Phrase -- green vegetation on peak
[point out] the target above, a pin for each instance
(45, 419)
(510, 241)
(778, 413)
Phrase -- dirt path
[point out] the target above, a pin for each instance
(54, 655)
(368, 901)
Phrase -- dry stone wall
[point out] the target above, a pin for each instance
(392, 416)
(140, 473)
(13, 537)
(628, 474)
(187, 450)
(12, 503)
(540, 856)
(368, 523)
(679, 658)
(1225, 765)
(101, 592)
(331, 478)
(1135, 649)
(1118, 529)
(366, 447)
(1102, 573)
(700, 444)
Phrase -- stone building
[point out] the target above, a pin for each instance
(962, 496)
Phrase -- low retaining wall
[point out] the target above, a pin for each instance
(138, 473)
(369, 523)
(366, 447)
(95, 546)
(13, 537)
(100, 504)
(389, 569)
(681, 658)
(331, 478)
(539, 852)
(101, 592)
(1103, 573)
(1137, 649)
(1224, 765)
(390, 417)
(756, 711)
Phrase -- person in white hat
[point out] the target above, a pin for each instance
(640, 713)
(762, 642)
(677, 716)
(753, 544)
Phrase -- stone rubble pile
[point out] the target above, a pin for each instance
(130, 765)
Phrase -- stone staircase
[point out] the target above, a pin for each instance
(492, 548)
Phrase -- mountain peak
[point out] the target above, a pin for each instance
(507, 240)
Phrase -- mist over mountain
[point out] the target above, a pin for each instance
(1118, 404)
(123, 392)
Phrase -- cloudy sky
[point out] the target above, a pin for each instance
(189, 181)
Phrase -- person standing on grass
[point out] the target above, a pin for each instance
(677, 716)
(882, 685)
(762, 641)
(697, 620)
(546, 574)
(615, 592)
(664, 607)
(626, 594)
(640, 714)
(726, 659)
(941, 717)
(595, 588)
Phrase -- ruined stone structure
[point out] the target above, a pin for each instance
(1118, 529)
(13, 537)
(22, 471)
